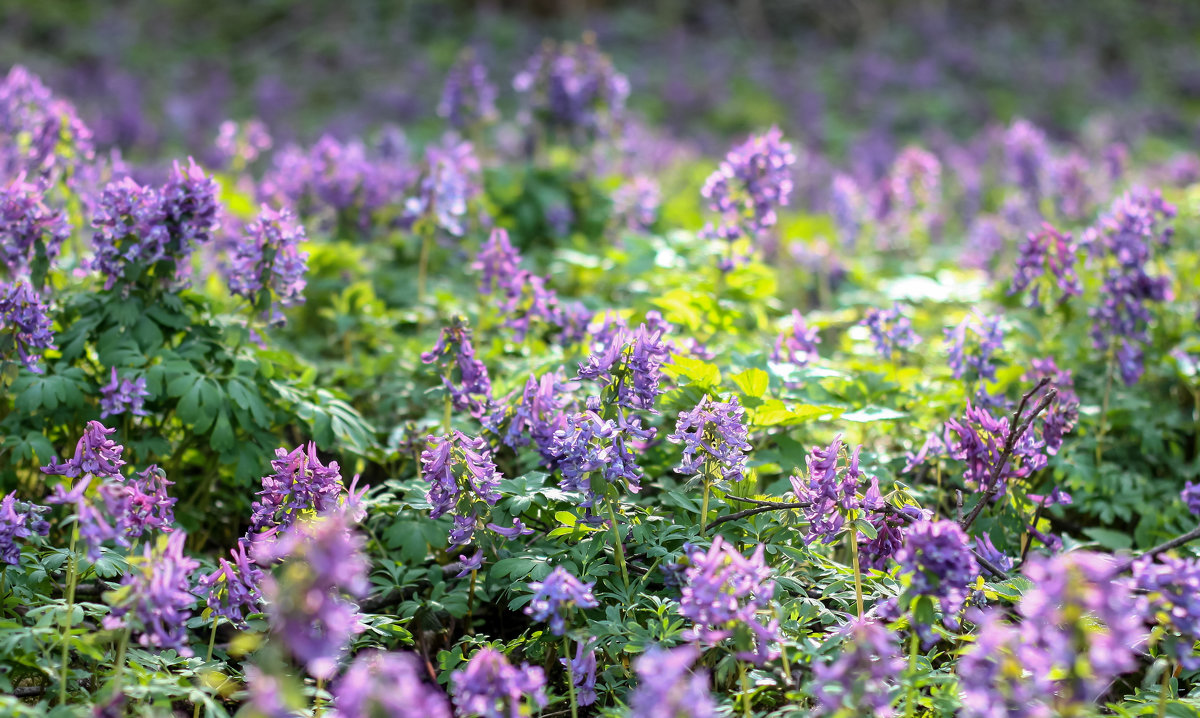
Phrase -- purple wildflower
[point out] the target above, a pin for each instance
(849, 209)
(714, 438)
(518, 529)
(267, 266)
(1191, 497)
(156, 594)
(909, 201)
(992, 680)
(323, 561)
(889, 534)
(668, 688)
(19, 520)
(985, 548)
(387, 684)
(118, 397)
(240, 144)
(464, 376)
(468, 98)
(95, 455)
(469, 564)
(572, 90)
(266, 695)
(48, 138)
(891, 331)
(233, 590)
(1172, 586)
(748, 187)
(583, 672)
(976, 359)
(831, 494)
(536, 415)
(798, 346)
(637, 203)
(633, 364)
(449, 182)
(862, 677)
(938, 556)
(491, 687)
(557, 594)
(1074, 196)
(1063, 412)
(588, 444)
(25, 324)
(300, 485)
(724, 592)
(1049, 254)
(1027, 156)
(30, 232)
(979, 441)
(459, 470)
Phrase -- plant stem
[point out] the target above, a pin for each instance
(119, 669)
(910, 703)
(1166, 689)
(570, 674)
(745, 689)
(858, 592)
(448, 414)
(212, 641)
(1108, 382)
(318, 704)
(423, 266)
(704, 508)
(66, 647)
(783, 653)
(471, 604)
(617, 543)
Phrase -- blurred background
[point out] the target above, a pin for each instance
(155, 76)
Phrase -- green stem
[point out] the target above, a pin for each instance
(1166, 690)
(910, 704)
(704, 508)
(423, 266)
(783, 652)
(570, 675)
(66, 647)
(1100, 433)
(119, 669)
(318, 704)
(212, 641)
(745, 689)
(471, 604)
(617, 544)
(858, 592)
(448, 414)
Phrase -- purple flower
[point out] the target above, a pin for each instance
(449, 182)
(460, 471)
(724, 592)
(583, 672)
(800, 343)
(1074, 196)
(464, 376)
(992, 679)
(909, 199)
(830, 494)
(266, 696)
(468, 98)
(849, 209)
(266, 266)
(491, 687)
(1191, 497)
(240, 144)
(518, 529)
(49, 138)
(536, 415)
(323, 562)
(233, 590)
(19, 520)
(978, 439)
(748, 187)
(985, 548)
(25, 324)
(1027, 156)
(1124, 242)
(556, 595)
(889, 538)
(1063, 413)
(469, 564)
(633, 364)
(1172, 586)
(891, 331)
(30, 232)
(95, 455)
(938, 556)
(714, 439)
(571, 90)
(156, 594)
(668, 688)
(864, 673)
(118, 397)
(636, 203)
(301, 485)
(588, 444)
(977, 359)
(387, 684)
(1048, 253)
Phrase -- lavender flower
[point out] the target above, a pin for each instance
(491, 687)
(909, 199)
(1191, 497)
(891, 331)
(1048, 253)
(985, 548)
(976, 359)
(233, 590)
(849, 209)
(387, 684)
(47, 137)
(469, 564)
(25, 324)
(1063, 413)
(558, 593)
(518, 529)
(1027, 155)
(993, 679)
(1074, 196)
(747, 188)
(240, 144)
(587, 444)
(267, 697)
(637, 202)
(156, 594)
(724, 592)
(714, 438)
(583, 672)
(323, 562)
(449, 182)
(30, 232)
(572, 90)
(460, 472)
(468, 98)
(267, 266)
(831, 495)
(464, 376)
(535, 416)
(668, 688)
(19, 520)
(862, 677)
(118, 397)
(979, 441)
(1172, 586)
(938, 556)
(631, 365)
(95, 455)
(800, 343)
(300, 486)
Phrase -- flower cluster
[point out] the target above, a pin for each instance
(468, 98)
(723, 592)
(863, 676)
(120, 396)
(459, 471)
(714, 439)
(938, 556)
(572, 89)
(449, 182)
(1191, 497)
(95, 455)
(587, 444)
(48, 138)
(830, 494)
(748, 187)
(536, 415)
(977, 358)
(798, 346)
(156, 594)
(238, 145)
(387, 684)
(1172, 588)
(979, 438)
(583, 672)
(464, 376)
(637, 203)
(300, 486)
(267, 267)
(908, 203)
(120, 509)
(137, 227)
(668, 686)
(849, 209)
(30, 231)
(323, 562)
(1027, 158)
(1063, 412)
(629, 366)
(992, 673)
(19, 520)
(233, 590)
(1124, 242)
(25, 324)
(891, 331)
(1047, 264)
(492, 687)
(555, 596)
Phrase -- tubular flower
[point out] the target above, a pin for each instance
(713, 433)
(491, 687)
(301, 486)
(240, 144)
(748, 187)
(864, 674)
(118, 397)
(979, 440)
(1172, 588)
(464, 376)
(1191, 497)
(1027, 156)
(1047, 264)
(724, 591)
(588, 444)
(448, 184)
(156, 595)
(830, 494)
(631, 366)
(668, 688)
(536, 415)
(233, 590)
(30, 232)
(1063, 413)
(468, 98)
(890, 330)
(267, 266)
(387, 684)
(460, 472)
(557, 594)
(19, 520)
(991, 678)
(909, 201)
(95, 455)
(583, 672)
(975, 359)
(25, 324)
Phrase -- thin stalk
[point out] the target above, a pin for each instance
(447, 415)
(423, 266)
(471, 604)
(212, 641)
(910, 703)
(570, 675)
(119, 669)
(745, 689)
(783, 652)
(858, 591)
(617, 544)
(1166, 690)
(66, 647)
(1100, 433)
(704, 507)
(318, 704)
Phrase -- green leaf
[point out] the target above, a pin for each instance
(869, 414)
(752, 382)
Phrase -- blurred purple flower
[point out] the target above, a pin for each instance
(267, 266)
(668, 688)
(891, 331)
(19, 520)
(491, 687)
(464, 376)
(30, 231)
(558, 593)
(468, 98)
(387, 684)
(863, 675)
(724, 591)
(1047, 263)
(156, 594)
